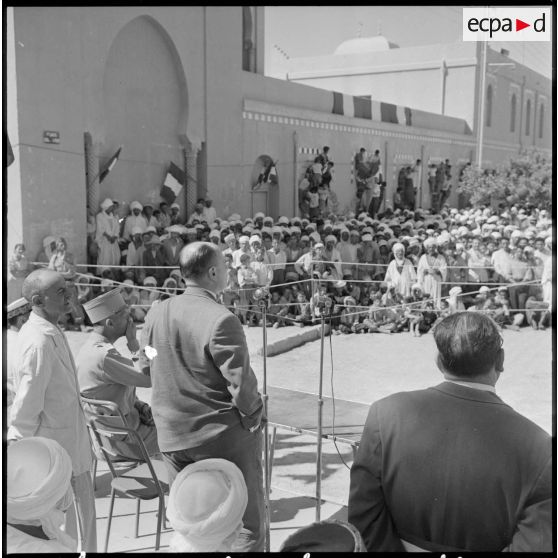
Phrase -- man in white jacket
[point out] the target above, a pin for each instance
(47, 401)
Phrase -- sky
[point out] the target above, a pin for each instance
(298, 31)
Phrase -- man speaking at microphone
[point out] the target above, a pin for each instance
(205, 397)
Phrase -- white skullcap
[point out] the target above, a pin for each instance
(206, 503)
(318, 245)
(455, 291)
(107, 202)
(215, 233)
(259, 214)
(175, 229)
(484, 289)
(331, 238)
(150, 280)
(255, 238)
(429, 242)
(366, 237)
(244, 238)
(175, 206)
(315, 236)
(136, 230)
(38, 485)
(167, 281)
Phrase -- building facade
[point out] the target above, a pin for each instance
(186, 85)
(443, 79)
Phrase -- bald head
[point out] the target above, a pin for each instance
(38, 282)
(196, 258)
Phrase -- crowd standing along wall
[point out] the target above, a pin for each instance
(295, 136)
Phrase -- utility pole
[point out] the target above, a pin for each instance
(482, 101)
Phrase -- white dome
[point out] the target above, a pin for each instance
(363, 45)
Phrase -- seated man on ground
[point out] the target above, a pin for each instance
(107, 375)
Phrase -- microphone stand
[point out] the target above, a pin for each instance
(262, 296)
(324, 308)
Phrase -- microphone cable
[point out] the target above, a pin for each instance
(333, 396)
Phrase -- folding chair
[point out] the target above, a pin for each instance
(105, 408)
(142, 482)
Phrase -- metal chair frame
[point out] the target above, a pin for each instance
(101, 429)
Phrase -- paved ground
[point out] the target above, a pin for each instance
(365, 368)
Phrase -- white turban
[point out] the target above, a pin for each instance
(136, 205)
(106, 204)
(38, 485)
(454, 291)
(397, 246)
(429, 242)
(206, 503)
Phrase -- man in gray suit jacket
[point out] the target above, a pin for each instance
(452, 468)
(205, 398)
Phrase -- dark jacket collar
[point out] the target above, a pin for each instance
(470, 393)
(200, 291)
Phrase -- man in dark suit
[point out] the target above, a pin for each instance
(452, 468)
(154, 261)
(205, 398)
(172, 246)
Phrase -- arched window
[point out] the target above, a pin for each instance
(489, 106)
(512, 112)
(541, 121)
(528, 117)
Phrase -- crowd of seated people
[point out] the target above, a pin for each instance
(404, 270)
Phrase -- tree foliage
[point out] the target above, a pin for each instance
(524, 179)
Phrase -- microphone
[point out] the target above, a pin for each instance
(261, 296)
(324, 304)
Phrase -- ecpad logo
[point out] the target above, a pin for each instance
(506, 24)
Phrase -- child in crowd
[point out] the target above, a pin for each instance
(169, 288)
(278, 310)
(248, 283)
(303, 311)
(263, 271)
(230, 295)
(148, 296)
(413, 314)
(349, 319)
(132, 298)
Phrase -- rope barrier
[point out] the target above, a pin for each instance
(330, 262)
